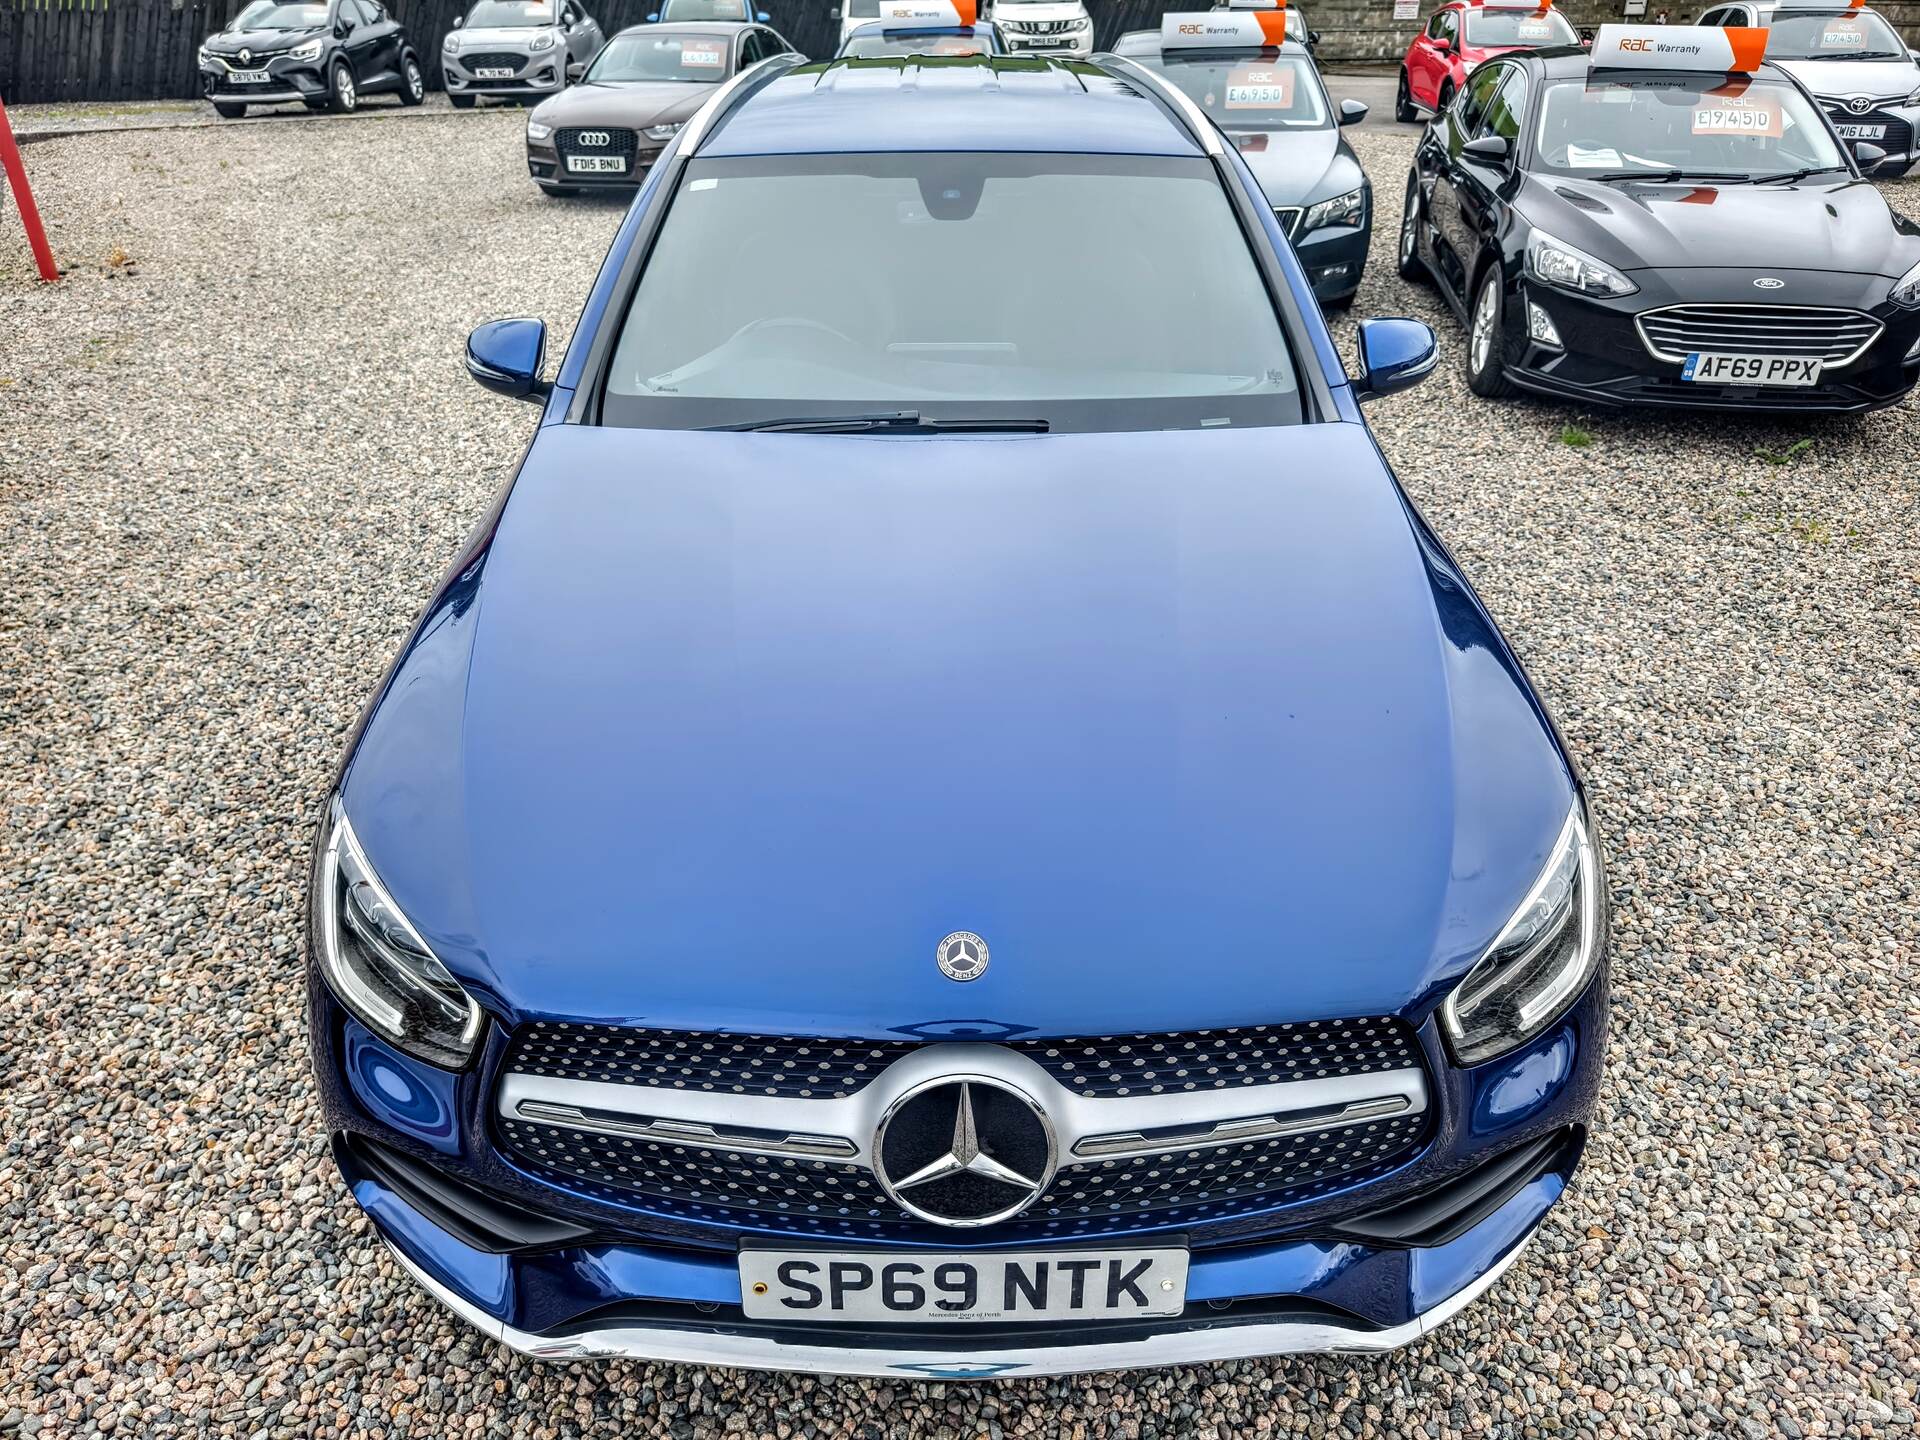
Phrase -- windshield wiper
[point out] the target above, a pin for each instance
(1787, 177)
(1666, 177)
(886, 420)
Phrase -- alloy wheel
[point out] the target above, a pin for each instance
(1483, 322)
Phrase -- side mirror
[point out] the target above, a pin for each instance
(1313, 37)
(458, 21)
(342, 29)
(506, 357)
(1867, 155)
(1352, 112)
(763, 16)
(1394, 354)
(1489, 149)
(834, 13)
(653, 15)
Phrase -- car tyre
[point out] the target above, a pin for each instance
(1446, 97)
(413, 84)
(1403, 106)
(460, 102)
(343, 96)
(1407, 257)
(229, 112)
(1487, 336)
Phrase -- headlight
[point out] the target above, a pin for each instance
(1080, 24)
(206, 58)
(376, 962)
(542, 41)
(1913, 99)
(451, 45)
(309, 51)
(1538, 963)
(664, 132)
(1347, 209)
(1558, 263)
(1906, 290)
(537, 131)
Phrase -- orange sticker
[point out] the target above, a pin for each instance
(1260, 87)
(1740, 117)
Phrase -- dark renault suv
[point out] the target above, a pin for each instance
(325, 53)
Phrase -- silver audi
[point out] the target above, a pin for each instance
(518, 47)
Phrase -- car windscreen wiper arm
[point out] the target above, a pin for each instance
(911, 420)
(1787, 177)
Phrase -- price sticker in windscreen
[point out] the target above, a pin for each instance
(1728, 116)
(701, 55)
(1843, 33)
(1532, 32)
(1260, 87)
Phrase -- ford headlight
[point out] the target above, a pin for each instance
(1347, 209)
(1906, 290)
(308, 50)
(664, 132)
(537, 131)
(1539, 962)
(542, 41)
(376, 962)
(1558, 263)
(451, 44)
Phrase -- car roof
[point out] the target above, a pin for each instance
(693, 27)
(985, 102)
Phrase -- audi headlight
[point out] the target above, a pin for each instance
(1347, 209)
(664, 132)
(1558, 263)
(537, 131)
(1906, 290)
(310, 50)
(542, 41)
(376, 962)
(1538, 963)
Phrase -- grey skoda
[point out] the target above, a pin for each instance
(609, 129)
(517, 48)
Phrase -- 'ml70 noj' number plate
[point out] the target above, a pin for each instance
(917, 1287)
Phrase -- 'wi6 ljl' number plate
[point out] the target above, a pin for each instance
(1751, 369)
(918, 1287)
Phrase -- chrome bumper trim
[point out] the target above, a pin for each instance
(1176, 1344)
(269, 97)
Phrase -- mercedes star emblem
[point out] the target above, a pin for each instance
(962, 956)
(964, 1151)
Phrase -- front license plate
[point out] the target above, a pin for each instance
(1750, 370)
(494, 72)
(597, 164)
(247, 77)
(932, 1287)
(1862, 132)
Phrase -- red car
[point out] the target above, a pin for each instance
(1459, 36)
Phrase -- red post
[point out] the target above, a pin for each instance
(29, 215)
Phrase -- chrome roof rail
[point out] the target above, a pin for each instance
(1204, 132)
(731, 94)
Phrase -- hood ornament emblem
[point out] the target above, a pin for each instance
(963, 1150)
(246, 55)
(962, 956)
(1767, 282)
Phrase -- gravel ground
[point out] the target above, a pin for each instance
(236, 446)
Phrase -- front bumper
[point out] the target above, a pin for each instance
(552, 1273)
(1605, 361)
(1066, 47)
(1335, 256)
(541, 74)
(547, 166)
(287, 80)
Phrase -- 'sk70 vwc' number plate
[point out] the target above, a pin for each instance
(918, 1287)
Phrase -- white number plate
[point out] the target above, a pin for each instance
(494, 72)
(1750, 370)
(1862, 132)
(597, 164)
(920, 1287)
(247, 77)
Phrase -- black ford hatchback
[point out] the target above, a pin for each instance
(324, 53)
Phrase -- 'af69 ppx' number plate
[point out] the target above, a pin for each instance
(918, 1287)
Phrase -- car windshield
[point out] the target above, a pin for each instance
(705, 10)
(909, 42)
(1842, 35)
(267, 15)
(1740, 129)
(1491, 28)
(510, 14)
(654, 54)
(900, 312)
(1263, 91)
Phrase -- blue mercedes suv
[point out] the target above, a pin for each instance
(936, 832)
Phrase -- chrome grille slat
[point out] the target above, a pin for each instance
(1832, 335)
